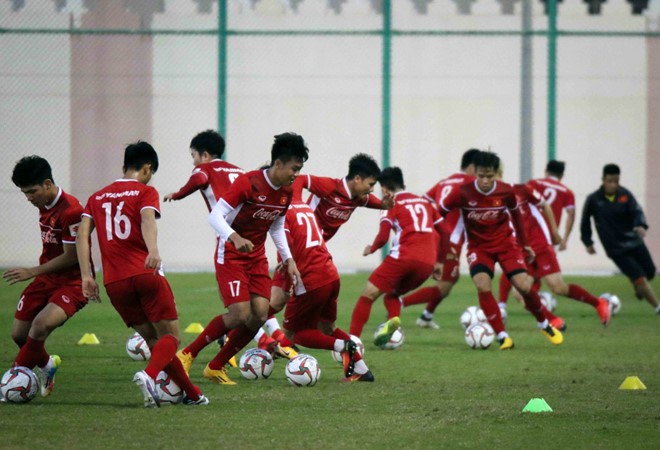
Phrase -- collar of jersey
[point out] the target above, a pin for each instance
(57, 198)
(476, 185)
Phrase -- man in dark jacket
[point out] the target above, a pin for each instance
(621, 227)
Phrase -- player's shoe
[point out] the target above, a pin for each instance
(186, 359)
(369, 377)
(46, 375)
(558, 323)
(284, 352)
(222, 341)
(232, 362)
(148, 389)
(552, 334)
(387, 331)
(202, 400)
(426, 323)
(348, 357)
(604, 311)
(506, 343)
(218, 376)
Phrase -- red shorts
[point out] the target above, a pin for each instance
(451, 264)
(282, 280)
(545, 263)
(239, 279)
(511, 260)
(396, 276)
(304, 312)
(142, 298)
(40, 293)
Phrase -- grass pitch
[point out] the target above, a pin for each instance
(433, 392)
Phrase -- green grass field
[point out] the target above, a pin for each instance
(433, 392)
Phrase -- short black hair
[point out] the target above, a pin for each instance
(288, 146)
(555, 167)
(209, 141)
(31, 170)
(487, 160)
(363, 165)
(391, 178)
(138, 154)
(611, 169)
(468, 157)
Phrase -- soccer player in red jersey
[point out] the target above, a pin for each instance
(124, 215)
(487, 206)
(416, 224)
(255, 205)
(536, 214)
(310, 315)
(452, 236)
(55, 294)
(558, 196)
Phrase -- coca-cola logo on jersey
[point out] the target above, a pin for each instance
(48, 237)
(483, 215)
(264, 214)
(337, 213)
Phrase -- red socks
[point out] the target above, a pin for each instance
(533, 304)
(33, 353)
(392, 305)
(212, 332)
(423, 295)
(361, 315)
(161, 354)
(315, 339)
(175, 370)
(578, 293)
(505, 288)
(238, 338)
(491, 310)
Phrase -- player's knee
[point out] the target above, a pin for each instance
(40, 329)
(19, 339)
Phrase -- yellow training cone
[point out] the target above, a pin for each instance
(194, 328)
(633, 383)
(89, 339)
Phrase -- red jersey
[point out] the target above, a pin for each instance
(308, 247)
(558, 196)
(253, 205)
(212, 179)
(536, 229)
(59, 223)
(415, 222)
(486, 215)
(331, 201)
(452, 229)
(117, 214)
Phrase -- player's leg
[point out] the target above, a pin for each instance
(362, 309)
(504, 290)
(642, 286)
(523, 282)
(482, 277)
(558, 286)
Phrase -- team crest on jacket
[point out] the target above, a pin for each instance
(52, 221)
(623, 199)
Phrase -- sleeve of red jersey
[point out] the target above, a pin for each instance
(320, 186)
(516, 219)
(238, 192)
(533, 195)
(70, 223)
(570, 199)
(149, 199)
(450, 202)
(198, 180)
(383, 235)
(430, 195)
(373, 202)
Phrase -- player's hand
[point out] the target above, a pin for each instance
(169, 197)
(641, 232)
(241, 244)
(367, 251)
(90, 289)
(293, 272)
(437, 272)
(563, 245)
(387, 201)
(530, 254)
(556, 239)
(153, 261)
(591, 250)
(17, 274)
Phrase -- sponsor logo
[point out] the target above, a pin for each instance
(485, 215)
(52, 221)
(546, 267)
(66, 299)
(497, 202)
(73, 229)
(472, 203)
(337, 200)
(48, 237)
(472, 257)
(262, 198)
(283, 201)
(264, 214)
(338, 213)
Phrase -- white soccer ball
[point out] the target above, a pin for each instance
(256, 364)
(472, 315)
(337, 355)
(303, 370)
(614, 302)
(548, 300)
(479, 335)
(19, 385)
(168, 391)
(137, 348)
(395, 341)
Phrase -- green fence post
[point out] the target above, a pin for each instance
(387, 91)
(552, 77)
(222, 69)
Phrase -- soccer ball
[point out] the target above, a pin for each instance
(614, 301)
(19, 385)
(337, 355)
(471, 316)
(256, 364)
(168, 391)
(137, 348)
(548, 300)
(395, 341)
(479, 335)
(303, 370)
